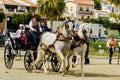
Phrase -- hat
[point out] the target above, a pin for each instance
(21, 25)
(43, 20)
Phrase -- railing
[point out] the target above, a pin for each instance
(85, 12)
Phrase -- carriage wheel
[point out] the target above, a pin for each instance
(28, 59)
(56, 64)
(39, 65)
(18, 55)
(8, 56)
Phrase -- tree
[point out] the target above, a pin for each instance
(92, 20)
(104, 21)
(115, 2)
(115, 26)
(2, 16)
(97, 4)
(22, 18)
(51, 9)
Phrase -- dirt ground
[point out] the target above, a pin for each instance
(98, 69)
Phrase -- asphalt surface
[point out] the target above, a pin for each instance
(98, 69)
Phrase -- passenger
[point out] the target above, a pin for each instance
(16, 36)
(44, 27)
(34, 32)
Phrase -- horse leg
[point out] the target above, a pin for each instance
(58, 51)
(75, 51)
(82, 60)
(68, 61)
(44, 65)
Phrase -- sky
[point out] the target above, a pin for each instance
(34, 0)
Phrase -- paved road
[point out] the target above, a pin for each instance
(99, 69)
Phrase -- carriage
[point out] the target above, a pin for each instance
(30, 57)
(10, 53)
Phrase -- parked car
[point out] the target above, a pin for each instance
(2, 39)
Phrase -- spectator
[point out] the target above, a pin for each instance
(111, 47)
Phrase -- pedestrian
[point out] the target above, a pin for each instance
(87, 61)
(111, 47)
(34, 32)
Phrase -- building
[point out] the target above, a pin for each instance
(101, 13)
(10, 7)
(107, 6)
(79, 9)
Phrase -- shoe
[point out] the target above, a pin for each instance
(86, 63)
(110, 63)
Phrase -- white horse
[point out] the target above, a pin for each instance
(50, 41)
(79, 45)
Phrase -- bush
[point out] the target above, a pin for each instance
(94, 48)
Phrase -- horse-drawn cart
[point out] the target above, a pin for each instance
(11, 52)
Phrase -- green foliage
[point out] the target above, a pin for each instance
(115, 26)
(97, 4)
(95, 45)
(115, 2)
(104, 21)
(51, 8)
(92, 20)
(94, 49)
(22, 18)
(2, 16)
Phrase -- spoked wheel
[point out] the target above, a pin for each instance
(17, 51)
(8, 56)
(28, 59)
(18, 55)
(39, 65)
(56, 64)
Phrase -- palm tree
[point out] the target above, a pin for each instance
(115, 2)
(51, 9)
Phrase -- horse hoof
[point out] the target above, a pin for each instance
(62, 74)
(67, 68)
(46, 72)
(73, 66)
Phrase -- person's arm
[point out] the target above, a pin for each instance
(48, 29)
(31, 27)
(107, 45)
(40, 28)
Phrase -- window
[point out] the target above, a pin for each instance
(71, 8)
(82, 17)
(81, 9)
(87, 9)
(88, 17)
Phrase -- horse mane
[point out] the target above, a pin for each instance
(60, 27)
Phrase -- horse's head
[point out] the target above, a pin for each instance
(66, 28)
(84, 31)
